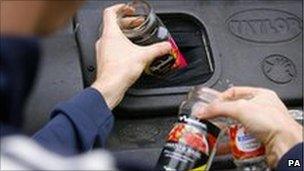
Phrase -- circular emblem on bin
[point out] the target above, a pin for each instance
(279, 69)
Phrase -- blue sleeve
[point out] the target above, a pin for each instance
(292, 160)
(77, 125)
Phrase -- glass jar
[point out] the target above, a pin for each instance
(192, 142)
(141, 25)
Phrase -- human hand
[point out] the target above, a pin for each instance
(119, 61)
(263, 114)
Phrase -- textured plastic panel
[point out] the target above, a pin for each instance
(59, 78)
(253, 43)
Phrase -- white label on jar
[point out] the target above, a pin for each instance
(246, 142)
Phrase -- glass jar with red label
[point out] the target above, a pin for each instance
(188, 145)
(243, 145)
(192, 142)
(247, 151)
(142, 26)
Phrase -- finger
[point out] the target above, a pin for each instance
(232, 109)
(157, 50)
(209, 90)
(208, 93)
(112, 11)
(110, 17)
(236, 93)
(126, 10)
(131, 22)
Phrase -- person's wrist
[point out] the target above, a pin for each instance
(112, 90)
(284, 139)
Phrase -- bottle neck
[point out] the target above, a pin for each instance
(192, 120)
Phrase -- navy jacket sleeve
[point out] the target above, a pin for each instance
(77, 125)
(296, 156)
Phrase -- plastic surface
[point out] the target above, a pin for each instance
(253, 43)
(59, 78)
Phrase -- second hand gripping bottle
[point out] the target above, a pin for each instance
(143, 27)
(248, 152)
(192, 142)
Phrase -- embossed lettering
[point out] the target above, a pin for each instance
(271, 27)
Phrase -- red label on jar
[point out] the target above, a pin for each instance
(190, 136)
(243, 145)
(180, 61)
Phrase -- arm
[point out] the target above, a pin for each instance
(78, 124)
(85, 121)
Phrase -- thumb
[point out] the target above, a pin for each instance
(157, 50)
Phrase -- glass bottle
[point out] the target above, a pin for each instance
(191, 144)
(143, 27)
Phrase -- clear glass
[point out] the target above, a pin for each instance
(200, 97)
(254, 166)
(297, 115)
(137, 21)
(204, 96)
(142, 26)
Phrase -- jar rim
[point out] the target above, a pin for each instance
(137, 31)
